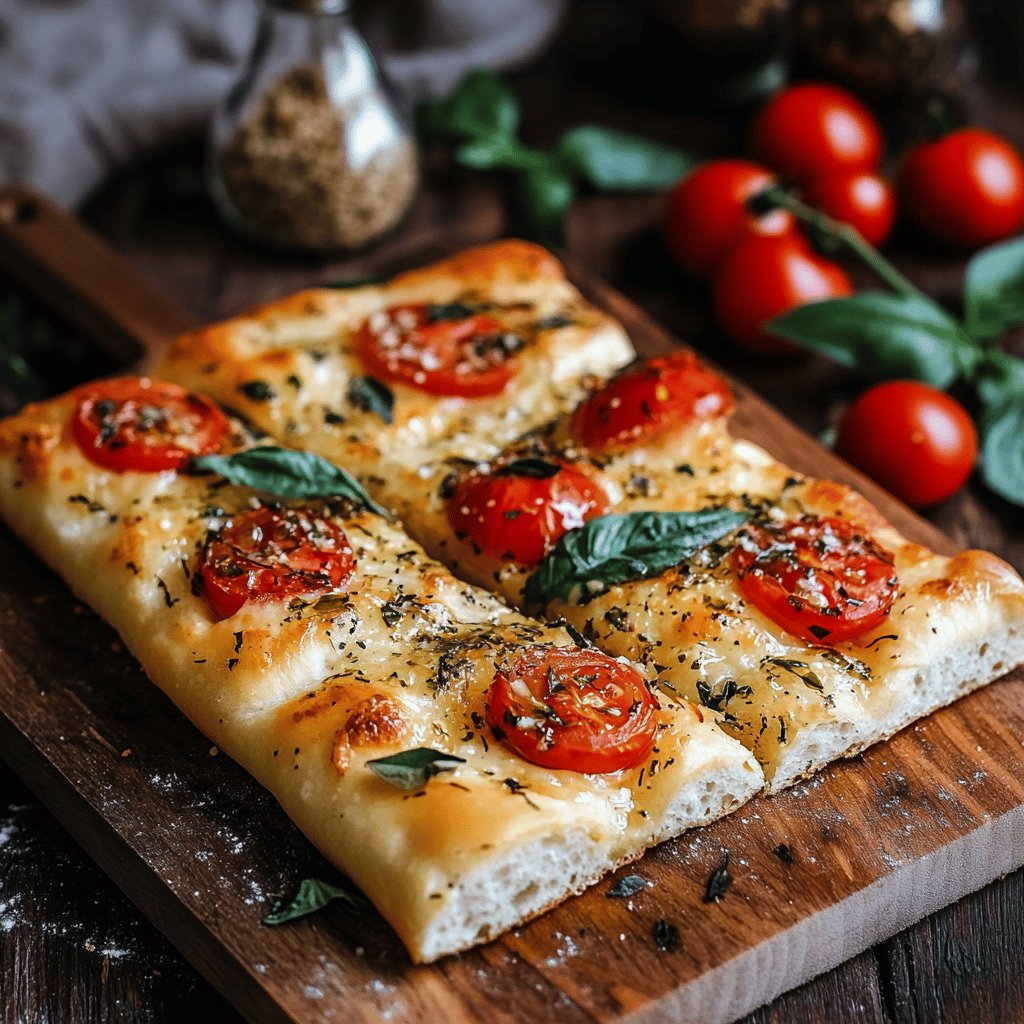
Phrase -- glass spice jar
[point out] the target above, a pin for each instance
(308, 151)
(884, 48)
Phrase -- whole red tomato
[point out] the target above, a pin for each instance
(810, 130)
(762, 278)
(916, 441)
(857, 197)
(706, 213)
(965, 190)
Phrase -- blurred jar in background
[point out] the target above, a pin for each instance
(883, 48)
(309, 151)
(738, 50)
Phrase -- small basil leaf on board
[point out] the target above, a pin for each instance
(482, 104)
(625, 887)
(618, 548)
(882, 335)
(286, 474)
(609, 159)
(413, 769)
(994, 289)
(536, 468)
(438, 312)
(312, 896)
(1002, 448)
(373, 396)
(547, 192)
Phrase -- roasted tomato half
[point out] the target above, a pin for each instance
(441, 349)
(520, 510)
(271, 554)
(648, 399)
(563, 707)
(134, 423)
(820, 578)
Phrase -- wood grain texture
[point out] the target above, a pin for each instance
(878, 842)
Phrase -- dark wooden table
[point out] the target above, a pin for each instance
(72, 948)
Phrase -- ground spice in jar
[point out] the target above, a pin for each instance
(307, 171)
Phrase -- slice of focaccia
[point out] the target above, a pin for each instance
(466, 766)
(457, 358)
(787, 606)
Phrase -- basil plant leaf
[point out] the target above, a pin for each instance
(413, 769)
(619, 548)
(482, 104)
(312, 896)
(286, 474)
(883, 335)
(491, 152)
(373, 396)
(1002, 448)
(547, 193)
(609, 159)
(994, 289)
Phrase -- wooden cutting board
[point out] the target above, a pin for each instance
(876, 842)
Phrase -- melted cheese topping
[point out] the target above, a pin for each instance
(401, 658)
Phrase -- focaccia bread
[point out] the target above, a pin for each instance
(310, 638)
(799, 685)
(457, 358)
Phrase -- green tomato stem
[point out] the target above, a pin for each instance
(836, 232)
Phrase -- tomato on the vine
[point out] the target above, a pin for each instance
(820, 578)
(916, 441)
(520, 509)
(579, 710)
(270, 554)
(809, 130)
(859, 198)
(648, 399)
(447, 350)
(965, 189)
(134, 423)
(762, 278)
(706, 213)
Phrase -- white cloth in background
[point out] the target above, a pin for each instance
(87, 85)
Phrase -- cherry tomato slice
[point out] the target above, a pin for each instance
(517, 515)
(134, 423)
(562, 707)
(820, 578)
(649, 399)
(442, 350)
(270, 554)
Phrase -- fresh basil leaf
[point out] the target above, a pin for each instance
(372, 395)
(547, 193)
(883, 335)
(482, 104)
(1002, 448)
(994, 289)
(609, 159)
(413, 769)
(492, 152)
(625, 887)
(999, 378)
(313, 895)
(286, 474)
(618, 548)
(536, 468)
